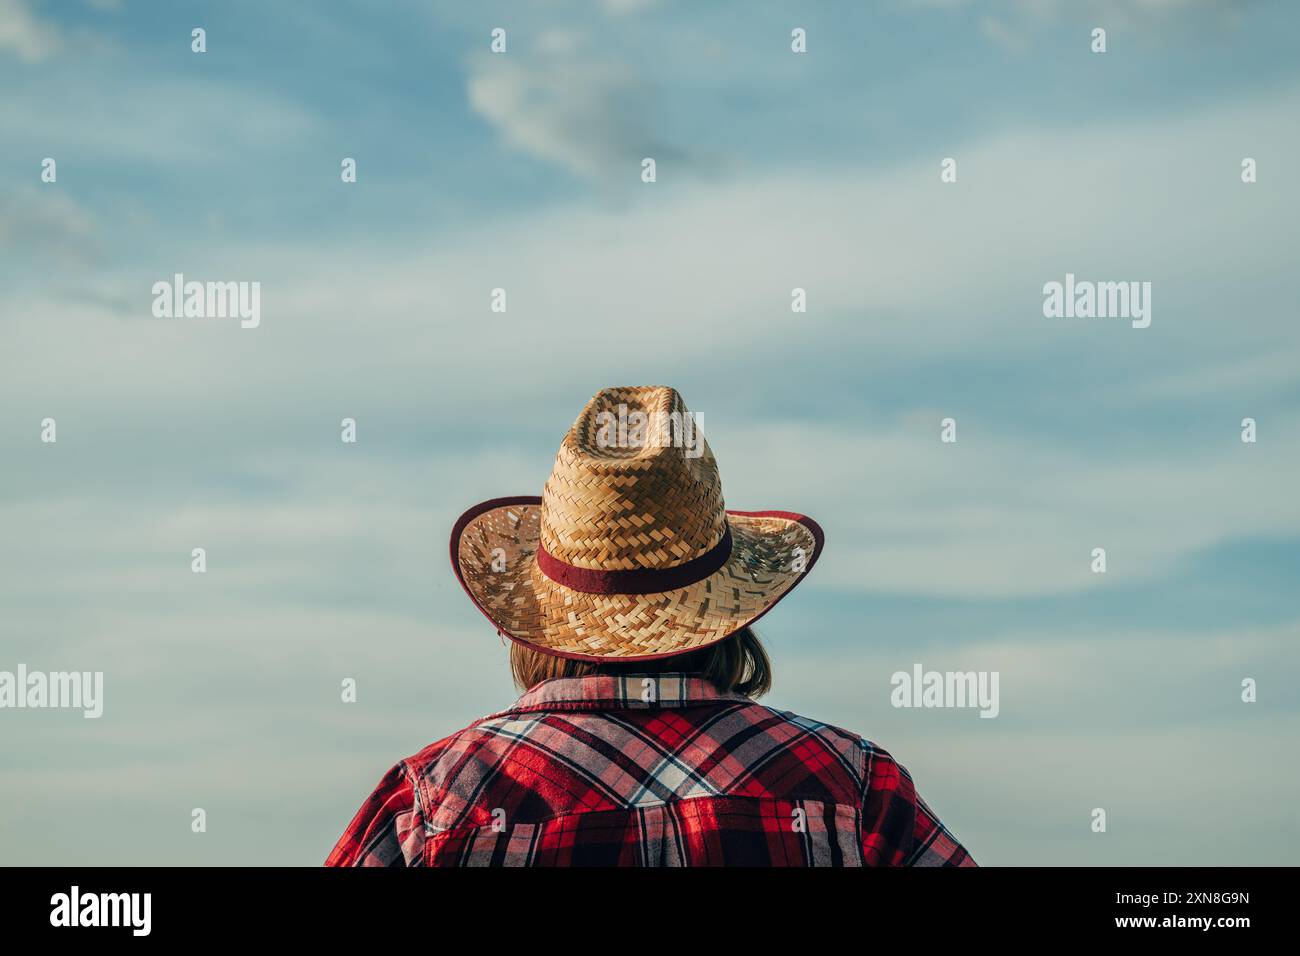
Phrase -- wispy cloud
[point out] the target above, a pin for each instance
(26, 35)
(39, 222)
(590, 115)
(1020, 513)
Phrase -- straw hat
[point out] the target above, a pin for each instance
(629, 552)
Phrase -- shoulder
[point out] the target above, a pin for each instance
(866, 757)
(877, 767)
(448, 773)
(459, 745)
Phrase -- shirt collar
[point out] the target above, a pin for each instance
(622, 691)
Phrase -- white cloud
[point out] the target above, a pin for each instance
(1017, 21)
(899, 268)
(1009, 39)
(1002, 516)
(26, 35)
(185, 121)
(46, 222)
(1127, 720)
(588, 116)
(623, 7)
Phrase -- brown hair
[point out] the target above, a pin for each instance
(736, 664)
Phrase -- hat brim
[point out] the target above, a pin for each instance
(493, 552)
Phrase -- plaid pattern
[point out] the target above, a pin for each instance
(646, 770)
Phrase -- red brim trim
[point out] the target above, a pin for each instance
(641, 581)
(458, 529)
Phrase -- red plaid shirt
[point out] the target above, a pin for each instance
(657, 770)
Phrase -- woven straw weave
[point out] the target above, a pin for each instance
(621, 508)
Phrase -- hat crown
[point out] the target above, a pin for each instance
(635, 485)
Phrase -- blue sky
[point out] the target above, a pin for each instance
(774, 171)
